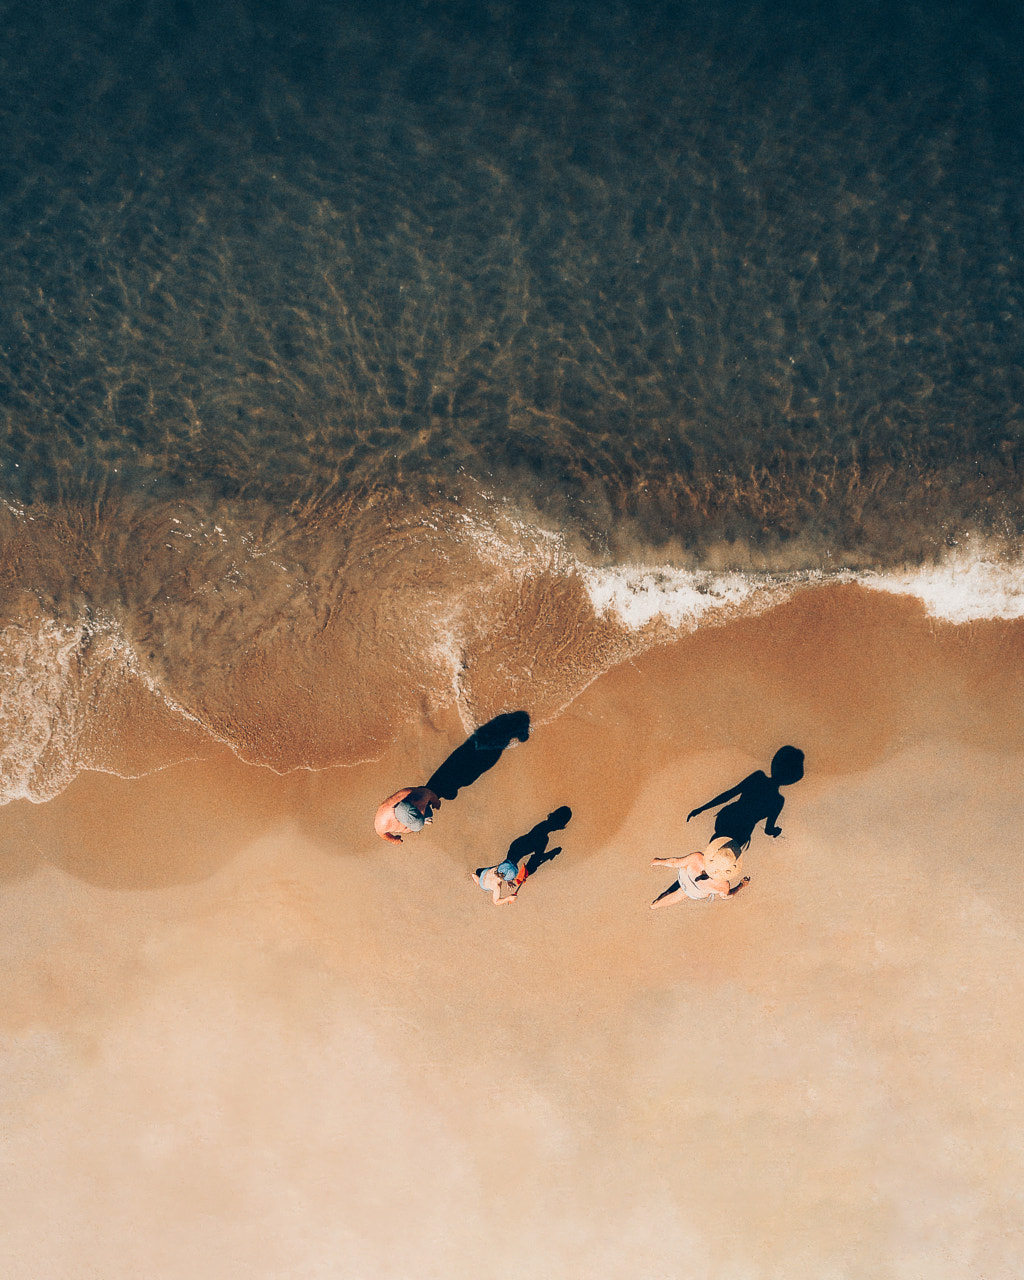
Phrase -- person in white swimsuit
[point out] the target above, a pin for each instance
(715, 873)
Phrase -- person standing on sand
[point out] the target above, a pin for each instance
(404, 813)
(759, 799)
(505, 876)
(715, 873)
(525, 855)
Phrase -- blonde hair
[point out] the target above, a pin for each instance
(722, 859)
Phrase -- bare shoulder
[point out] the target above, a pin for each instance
(399, 795)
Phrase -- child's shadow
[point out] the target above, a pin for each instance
(533, 847)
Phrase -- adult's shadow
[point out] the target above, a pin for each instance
(757, 798)
(534, 845)
(481, 751)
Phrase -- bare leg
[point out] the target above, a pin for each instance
(674, 893)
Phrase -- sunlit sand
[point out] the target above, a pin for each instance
(244, 1037)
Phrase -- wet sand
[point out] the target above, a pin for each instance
(245, 1038)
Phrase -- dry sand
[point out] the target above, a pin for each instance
(243, 1038)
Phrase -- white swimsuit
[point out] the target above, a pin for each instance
(699, 890)
(696, 889)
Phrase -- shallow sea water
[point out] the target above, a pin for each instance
(360, 360)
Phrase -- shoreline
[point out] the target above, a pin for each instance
(533, 642)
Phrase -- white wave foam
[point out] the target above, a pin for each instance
(683, 598)
(37, 724)
(970, 585)
(52, 677)
(636, 594)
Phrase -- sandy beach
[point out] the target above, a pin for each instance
(244, 1038)
(374, 373)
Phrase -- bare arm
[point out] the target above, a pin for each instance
(391, 801)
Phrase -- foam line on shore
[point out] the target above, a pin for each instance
(970, 584)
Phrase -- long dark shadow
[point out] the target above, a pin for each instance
(534, 845)
(481, 751)
(756, 798)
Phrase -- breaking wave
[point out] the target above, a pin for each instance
(137, 637)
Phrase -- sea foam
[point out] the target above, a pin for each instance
(681, 598)
(969, 585)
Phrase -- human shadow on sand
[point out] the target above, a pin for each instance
(534, 845)
(759, 799)
(481, 751)
(532, 848)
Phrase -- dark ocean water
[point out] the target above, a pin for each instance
(339, 342)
